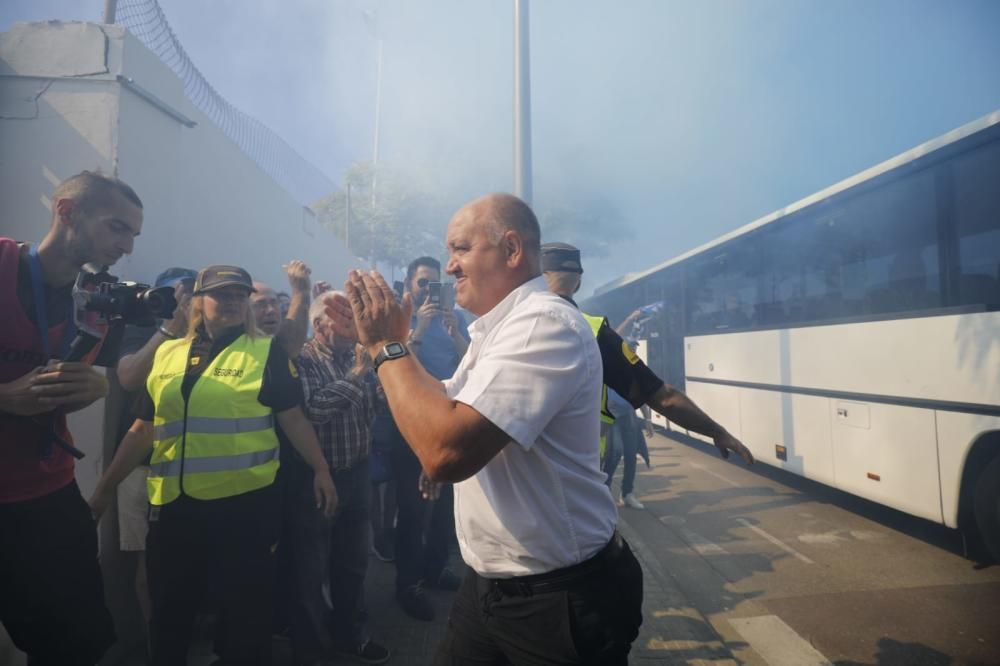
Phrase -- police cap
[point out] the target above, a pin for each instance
(561, 257)
(216, 277)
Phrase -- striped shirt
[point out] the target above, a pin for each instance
(340, 405)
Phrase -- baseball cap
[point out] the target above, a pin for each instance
(172, 276)
(215, 277)
(561, 257)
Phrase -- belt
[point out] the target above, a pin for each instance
(561, 579)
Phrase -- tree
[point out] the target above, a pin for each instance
(402, 221)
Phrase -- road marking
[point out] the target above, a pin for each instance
(701, 545)
(776, 642)
(716, 475)
(775, 540)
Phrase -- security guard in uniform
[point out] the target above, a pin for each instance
(212, 401)
(623, 370)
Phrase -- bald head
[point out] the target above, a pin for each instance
(501, 212)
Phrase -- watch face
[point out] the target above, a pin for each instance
(394, 349)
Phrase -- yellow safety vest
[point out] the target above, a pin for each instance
(607, 418)
(221, 441)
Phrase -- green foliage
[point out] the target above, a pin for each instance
(402, 221)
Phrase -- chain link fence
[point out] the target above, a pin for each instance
(145, 19)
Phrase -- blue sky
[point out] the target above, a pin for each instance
(689, 117)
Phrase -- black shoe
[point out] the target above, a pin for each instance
(447, 580)
(414, 602)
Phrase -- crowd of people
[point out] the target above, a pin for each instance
(270, 444)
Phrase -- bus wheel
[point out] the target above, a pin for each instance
(987, 507)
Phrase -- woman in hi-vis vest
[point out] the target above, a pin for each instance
(213, 400)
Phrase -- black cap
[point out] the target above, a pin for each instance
(215, 277)
(561, 257)
(172, 276)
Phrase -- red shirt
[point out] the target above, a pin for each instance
(24, 473)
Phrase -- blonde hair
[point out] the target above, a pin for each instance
(196, 318)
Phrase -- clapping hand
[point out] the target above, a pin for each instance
(379, 319)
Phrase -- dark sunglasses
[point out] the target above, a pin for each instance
(422, 282)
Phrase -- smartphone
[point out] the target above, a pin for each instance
(434, 293)
(448, 296)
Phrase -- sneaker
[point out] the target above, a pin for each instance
(384, 549)
(630, 500)
(447, 580)
(414, 601)
(368, 652)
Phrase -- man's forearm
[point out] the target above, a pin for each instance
(295, 326)
(680, 409)
(421, 409)
(303, 438)
(133, 369)
(135, 446)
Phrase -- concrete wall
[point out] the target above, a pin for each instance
(63, 109)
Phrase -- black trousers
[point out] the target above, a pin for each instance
(51, 592)
(420, 553)
(591, 620)
(227, 544)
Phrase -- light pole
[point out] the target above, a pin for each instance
(110, 11)
(522, 102)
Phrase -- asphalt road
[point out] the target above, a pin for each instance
(787, 571)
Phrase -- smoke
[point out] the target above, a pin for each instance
(686, 118)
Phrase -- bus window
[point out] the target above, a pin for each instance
(722, 288)
(977, 221)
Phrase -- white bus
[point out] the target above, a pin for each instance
(853, 337)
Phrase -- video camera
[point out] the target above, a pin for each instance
(131, 303)
(116, 305)
(102, 307)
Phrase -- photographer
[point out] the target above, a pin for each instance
(52, 603)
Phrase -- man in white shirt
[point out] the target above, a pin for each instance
(516, 429)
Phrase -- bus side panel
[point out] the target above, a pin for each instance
(956, 433)
(888, 454)
(799, 423)
(722, 403)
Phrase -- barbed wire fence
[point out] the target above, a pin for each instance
(303, 180)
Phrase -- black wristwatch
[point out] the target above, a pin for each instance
(389, 352)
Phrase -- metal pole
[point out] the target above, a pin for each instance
(378, 114)
(522, 102)
(110, 11)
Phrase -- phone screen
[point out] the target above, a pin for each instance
(434, 293)
(448, 296)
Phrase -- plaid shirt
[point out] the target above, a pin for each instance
(340, 405)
